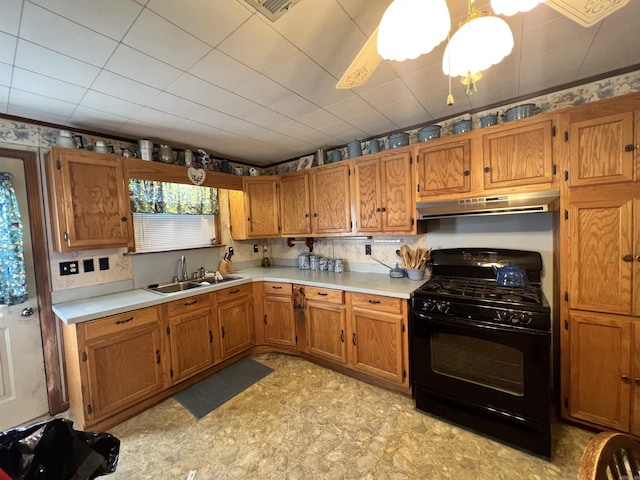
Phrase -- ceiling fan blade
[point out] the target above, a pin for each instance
(363, 65)
(585, 12)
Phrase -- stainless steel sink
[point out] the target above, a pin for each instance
(189, 284)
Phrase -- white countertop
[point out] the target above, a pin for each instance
(373, 283)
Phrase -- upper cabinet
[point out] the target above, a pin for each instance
(518, 156)
(443, 168)
(602, 147)
(383, 199)
(295, 209)
(88, 199)
(254, 212)
(331, 199)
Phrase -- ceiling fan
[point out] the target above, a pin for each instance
(584, 12)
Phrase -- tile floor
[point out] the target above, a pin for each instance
(306, 422)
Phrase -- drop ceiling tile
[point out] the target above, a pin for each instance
(52, 64)
(324, 93)
(383, 74)
(155, 117)
(321, 139)
(7, 47)
(405, 112)
(343, 131)
(293, 106)
(46, 86)
(39, 113)
(205, 20)
(213, 118)
(32, 101)
(112, 18)
(542, 38)
(107, 103)
(195, 89)
(10, 18)
(232, 104)
(4, 95)
(266, 117)
(220, 69)
(89, 118)
(137, 129)
(5, 74)
(166, 102)
(160, 39)
(142, 68)
(350, 106)
(373, 123)
(387, 93)
(317, 119)
(122, 87)
(263, 90)
(307, 22)
(64, 36)
(336, 50)
(297, 71)
(257, 45)
(293, 128)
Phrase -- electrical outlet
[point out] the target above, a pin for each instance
(69, 268)
(367, 249)
(103, 262)
(88, 265)
(255, 249)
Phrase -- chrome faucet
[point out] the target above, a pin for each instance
(183, 268)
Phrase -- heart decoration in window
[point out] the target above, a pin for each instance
(196, 175)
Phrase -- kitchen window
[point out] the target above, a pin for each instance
(173, 216)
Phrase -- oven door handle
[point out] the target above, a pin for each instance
(448, 321)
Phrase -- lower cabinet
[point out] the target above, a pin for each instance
(114, 362)
(604, 371)
(235, 320)
(378, 336)
(189, 331)
(278, 318)
(326, 324)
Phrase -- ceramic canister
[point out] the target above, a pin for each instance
(338, 265)
(323, 264)
(355, 148)
(374, 146)
(336, 156)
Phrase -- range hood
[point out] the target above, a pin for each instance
(496, 205)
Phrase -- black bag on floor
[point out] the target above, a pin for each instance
(53, 450)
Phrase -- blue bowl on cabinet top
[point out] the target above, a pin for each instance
(429, 132)
(462, 126)
(397, 140)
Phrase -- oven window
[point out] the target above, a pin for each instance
(478, 361)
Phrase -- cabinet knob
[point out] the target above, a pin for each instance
(629, 148)
(378, 209)
(628, 258)
(487, 169)
(353, 339)
(466, 173)
(342, 336)
(124, 219)
(626, 379)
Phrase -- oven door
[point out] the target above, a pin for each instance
(500, 368)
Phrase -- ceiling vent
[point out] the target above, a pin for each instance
(272, 9)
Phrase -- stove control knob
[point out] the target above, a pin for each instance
(502, 315)
(444, 306)
(527, 318)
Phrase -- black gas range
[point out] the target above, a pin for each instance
(479, 351)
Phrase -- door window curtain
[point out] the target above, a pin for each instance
(160, 197)
(13, 281)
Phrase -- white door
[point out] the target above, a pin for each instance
(23, 392)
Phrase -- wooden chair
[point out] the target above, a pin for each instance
(611, 456)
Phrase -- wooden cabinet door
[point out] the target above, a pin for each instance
(601, 255)
(261, 206)
(398, 206)
(443, 168)
(294, 204)
(368, 185)
(635, 357)
(236, 326)
(279, 325)
(191, 343)
(327, 331)
(602, 150)
(376, 344)
(600, 369)
(122, 368)
(330, 199)
(89, 200)
(518, 156)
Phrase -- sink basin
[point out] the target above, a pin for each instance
(189, 284)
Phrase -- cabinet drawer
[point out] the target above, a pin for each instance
(277, 288)
(328, 295)
(232, 293)
(120, 322)
(377, 302)
(188, 304)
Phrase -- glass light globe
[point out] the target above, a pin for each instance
(410, 28)
(511, 7)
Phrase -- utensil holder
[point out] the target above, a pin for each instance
(225, 266)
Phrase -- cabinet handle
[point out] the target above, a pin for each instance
(157, 356)
(234, 291)
(276, 287)
(626, 379)
(629, 148)
(265, 320)
(186, 304)
(210, 336)
(120, 322)
(375, 302)
(222, 331)
(628, 258)
(466, 173)
(342, 336)
(322, 294)
(487, 169)
(353, 339)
